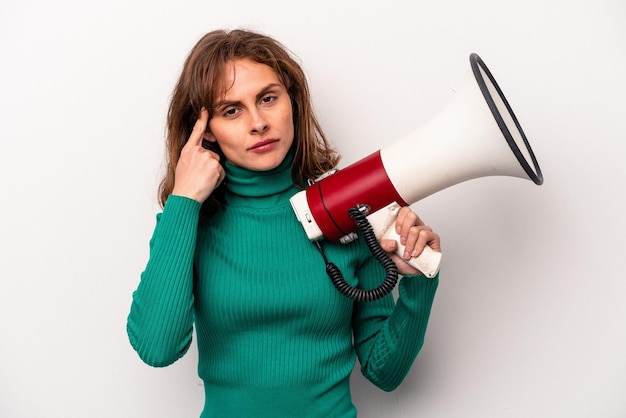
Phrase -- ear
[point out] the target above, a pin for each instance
(209, 137)
(209, 142)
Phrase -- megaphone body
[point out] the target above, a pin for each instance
(475, 135)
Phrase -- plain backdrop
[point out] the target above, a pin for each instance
(529, 319)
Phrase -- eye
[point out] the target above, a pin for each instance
(230, 112)
(268, 99)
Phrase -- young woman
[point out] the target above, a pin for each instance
(228, 255)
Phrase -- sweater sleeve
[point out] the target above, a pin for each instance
(388, 334)
(160, 322)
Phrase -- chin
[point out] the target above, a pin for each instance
(267, 166)
(267, 162)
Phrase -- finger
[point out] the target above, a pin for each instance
(435, 242)
(417, 238)
(222, 174)
(400, 219)
(389, 245)
(426, 237)
(403, 266)
(405, 214)
(199, 128)
(423, 237)
(406, 220)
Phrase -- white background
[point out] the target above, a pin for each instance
(529, 319)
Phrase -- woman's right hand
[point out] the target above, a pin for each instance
(198, 171)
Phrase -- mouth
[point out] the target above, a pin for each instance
(262, 146)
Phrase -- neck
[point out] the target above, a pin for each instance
(267, 187)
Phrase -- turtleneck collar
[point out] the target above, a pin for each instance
(268, 188)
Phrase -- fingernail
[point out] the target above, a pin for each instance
(407, 256)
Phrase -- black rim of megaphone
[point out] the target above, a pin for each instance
(535, 175)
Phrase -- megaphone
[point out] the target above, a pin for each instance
(475, 135)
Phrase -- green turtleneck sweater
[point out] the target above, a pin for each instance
(275, 338)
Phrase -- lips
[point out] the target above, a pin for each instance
(263, 145)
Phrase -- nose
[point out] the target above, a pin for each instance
(258, 122)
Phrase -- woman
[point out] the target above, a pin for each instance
(228, 256)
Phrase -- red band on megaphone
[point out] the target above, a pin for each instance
(364, 182)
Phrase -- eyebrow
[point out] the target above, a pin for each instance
(262, 92)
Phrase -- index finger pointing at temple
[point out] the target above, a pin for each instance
(199, 128)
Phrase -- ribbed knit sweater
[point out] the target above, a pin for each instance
(275, 338)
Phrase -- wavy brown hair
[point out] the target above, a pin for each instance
(201, 82)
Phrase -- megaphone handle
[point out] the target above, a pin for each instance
(427, 262)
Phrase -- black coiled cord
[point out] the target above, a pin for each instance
(391, 270)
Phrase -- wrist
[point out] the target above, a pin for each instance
(189, 195)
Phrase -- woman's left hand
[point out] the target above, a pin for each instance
(415, 235)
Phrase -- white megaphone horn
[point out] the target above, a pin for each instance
(475, 135)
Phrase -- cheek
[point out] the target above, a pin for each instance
(222, 134)
(288, 122)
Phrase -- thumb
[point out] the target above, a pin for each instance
(389, 245)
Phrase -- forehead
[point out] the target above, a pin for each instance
(244, 76)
